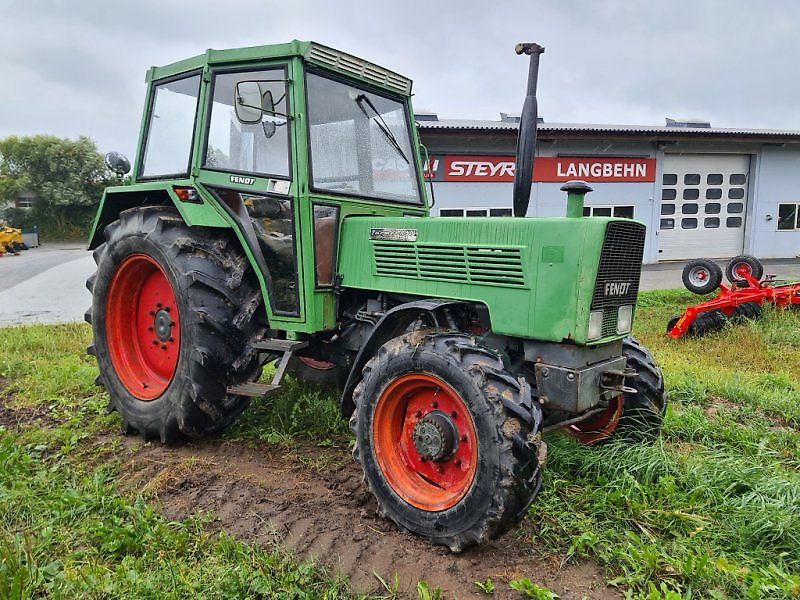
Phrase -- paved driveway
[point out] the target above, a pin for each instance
(45, 285)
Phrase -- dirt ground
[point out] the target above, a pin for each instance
(311, 501)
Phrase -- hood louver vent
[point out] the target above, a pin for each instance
(461, 264)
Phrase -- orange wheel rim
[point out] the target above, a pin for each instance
(142, 327)
(425, 441)
(600, 427)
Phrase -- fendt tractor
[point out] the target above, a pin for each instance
(277, 212)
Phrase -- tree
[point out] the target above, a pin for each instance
(66, 178)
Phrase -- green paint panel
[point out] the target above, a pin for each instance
(499, 266)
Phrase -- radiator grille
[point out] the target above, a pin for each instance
(458, 264)
(620, 264)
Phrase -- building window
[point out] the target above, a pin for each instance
(714, 179)
(690, 208)
(688, 223)
(733, 222)
(670, 179)
(667, 223)
(787, 217)
(736, 193)
(691, 194)
(475, 212)
(24, 202)
(691, 179)
(712, 208)
(451, 212)
(713, 193)
(622, 212)
(738, 179)
(668, 194)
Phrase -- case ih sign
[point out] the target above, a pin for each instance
(546, 169)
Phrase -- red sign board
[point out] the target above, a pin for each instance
(546, 168)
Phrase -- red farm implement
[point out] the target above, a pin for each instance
(749, 289)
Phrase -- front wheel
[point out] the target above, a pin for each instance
(448, 440)
(633, 416)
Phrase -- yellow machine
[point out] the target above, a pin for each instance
(11, 240)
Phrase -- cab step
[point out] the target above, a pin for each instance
(254, 390)
(274, 346)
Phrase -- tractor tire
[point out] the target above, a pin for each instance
(747, 311)
(708, 322)
(449, 442)
(641, 415)
(325, 375)
(749, 264)
(642, 412)
(701, 276)
(174, 315)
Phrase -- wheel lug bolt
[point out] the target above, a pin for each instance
(439, 468)
(463, 438)
(172, 339)
(152, 313)
(163, 346)
(435, 404)
(166, 308)
(155, 342)
(457, 462)
(149, 329)
(418, 414)
(158, 304)
(453, 414)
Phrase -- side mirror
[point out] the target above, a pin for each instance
(251, 102)
(118, 163)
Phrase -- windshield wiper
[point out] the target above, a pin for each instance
(361, 100)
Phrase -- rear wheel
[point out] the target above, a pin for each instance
(448, 440)
(742, 265)
(702, 276)
(632, 416)
(174, 314)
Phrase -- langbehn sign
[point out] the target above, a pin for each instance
(494, 169)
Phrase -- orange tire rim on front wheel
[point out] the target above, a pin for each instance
(425, 441)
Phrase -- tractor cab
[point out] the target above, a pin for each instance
(288, 140)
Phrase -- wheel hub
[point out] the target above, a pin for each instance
(163, 324)
(435, 437)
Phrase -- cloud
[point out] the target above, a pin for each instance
(77, 68)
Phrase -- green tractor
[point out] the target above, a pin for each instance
(277, 212)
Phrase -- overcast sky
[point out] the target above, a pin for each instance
(76, 67)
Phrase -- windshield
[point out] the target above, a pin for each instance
(360, 142)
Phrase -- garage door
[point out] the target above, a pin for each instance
(703, 206)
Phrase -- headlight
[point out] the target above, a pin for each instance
(624, 318)
(595, 324)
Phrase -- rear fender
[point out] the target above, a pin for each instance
(393, 323)
(116, 199)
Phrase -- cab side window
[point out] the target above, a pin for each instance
(260, 148)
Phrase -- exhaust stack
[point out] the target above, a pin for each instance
(526, 137)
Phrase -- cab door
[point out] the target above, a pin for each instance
(246, 163)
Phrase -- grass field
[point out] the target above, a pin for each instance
(711, 510)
